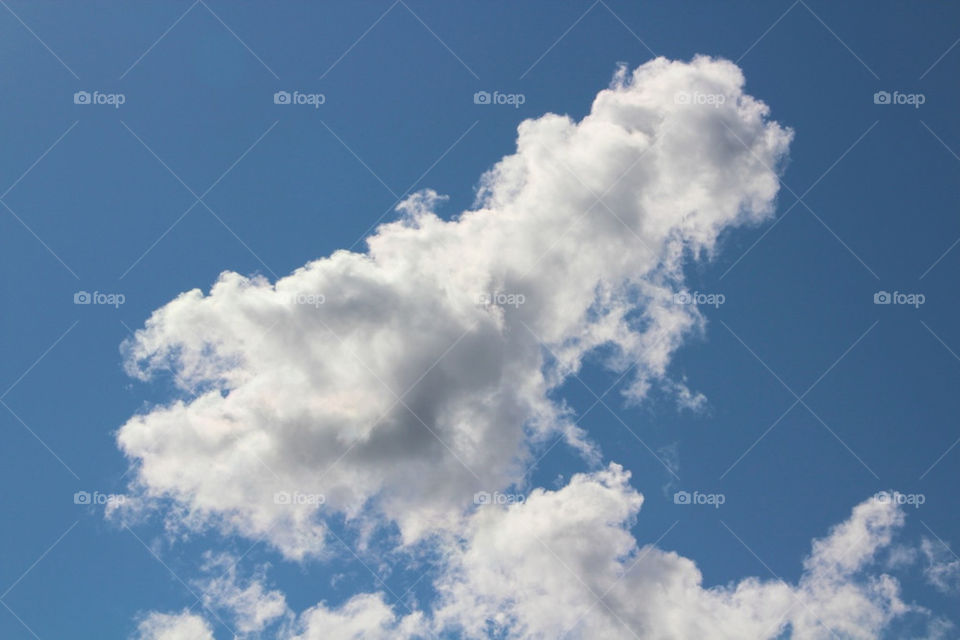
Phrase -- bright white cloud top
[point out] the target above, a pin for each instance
(398, 382)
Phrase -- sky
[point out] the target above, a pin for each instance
(479, 320)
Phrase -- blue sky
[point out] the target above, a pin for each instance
(816, 397)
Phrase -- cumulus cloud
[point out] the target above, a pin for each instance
(365, 616)
(564, 564)
(399, 381)
(174, 626)
(255, 610)
(251, 605)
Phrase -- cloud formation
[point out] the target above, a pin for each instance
(390, 386)
(564, 564)
(398, 382)
(253, 607)
(174, 626)
(942, 568)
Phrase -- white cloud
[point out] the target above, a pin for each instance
(174, 626)
(942, 568)
(564, 564)
(363, 617)
(400, 394)
(254, 610)
(251, 605)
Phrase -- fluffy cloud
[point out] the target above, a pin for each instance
(174, 626)
(252, 606)
(399, 381)
(365, 616)
(564, 564)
